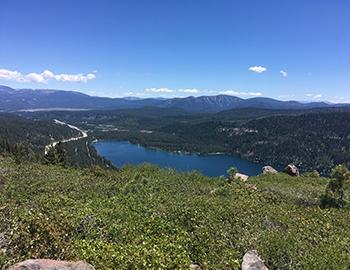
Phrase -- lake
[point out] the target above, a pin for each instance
(121, 153)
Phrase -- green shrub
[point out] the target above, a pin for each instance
(143, 217)
(231, 174)
(335, 192)
(57, 155)
(313, 174)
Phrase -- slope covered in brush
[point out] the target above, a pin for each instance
(145, 217)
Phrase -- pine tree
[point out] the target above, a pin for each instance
(335, 190)
(57, 155)
(23, 152)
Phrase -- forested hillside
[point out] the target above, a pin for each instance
(25, 139)
(315, 139)
(16, 129)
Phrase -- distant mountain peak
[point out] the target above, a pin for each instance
(24, 99)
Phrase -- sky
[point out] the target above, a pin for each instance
(289, 50)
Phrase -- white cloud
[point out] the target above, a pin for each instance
(236, 93)
(159, 90)
(257, 69)
(314, 96)
(168, 90)
(193, 91)
(45, 76)
(133, 94)
(173, 92)
(10, 75)
(284, 73)
(74, 77)
(339, 99)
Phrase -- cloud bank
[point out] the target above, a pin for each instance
(159, 90)
(314, 96)
(168, 90)
(45, 77)
(236, 93)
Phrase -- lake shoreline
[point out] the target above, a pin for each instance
(136, 153)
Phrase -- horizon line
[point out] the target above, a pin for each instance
(179, 97)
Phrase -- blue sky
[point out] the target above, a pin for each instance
(290, 49)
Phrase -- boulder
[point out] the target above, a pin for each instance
(252, 261)
(46, 264)
(268, 170)
(292, 170)
(241, 176)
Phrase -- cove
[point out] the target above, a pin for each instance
(121, 153)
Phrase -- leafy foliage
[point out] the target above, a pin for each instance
(231, 172)
(57, 155)
(335, 191)
(144, 217)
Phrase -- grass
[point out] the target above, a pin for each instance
(143, 217)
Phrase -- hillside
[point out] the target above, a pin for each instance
(314, 139)
(25, 139)
(16, 131)
(24, 99)
(144, 217)
(48, 99)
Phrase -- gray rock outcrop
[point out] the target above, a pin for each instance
(46, 264)
(268, 170)
(252, 261)
(292, 170)
(195, 266)
(241, 176)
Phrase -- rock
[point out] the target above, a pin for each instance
(292, 170)
(3, 171)
(315, 174)
(242, 177)
(3, 241)
(252, 261)
(46, 264)
(251, 187)
(195, 266)
(268, 170)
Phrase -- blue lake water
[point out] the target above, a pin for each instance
(121, 153)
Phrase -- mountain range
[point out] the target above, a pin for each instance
(47, 99)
